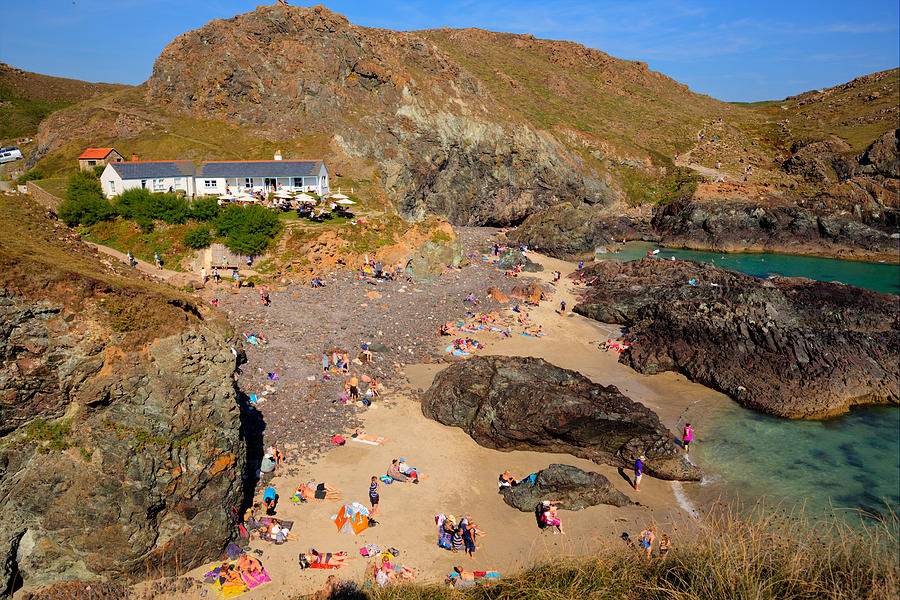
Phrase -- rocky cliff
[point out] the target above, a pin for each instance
(513, 403)
(120, 440)
(791, 347)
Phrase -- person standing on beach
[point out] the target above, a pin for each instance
(687, 437)
(354, 387)
(325, 362)
(638, 472)
(562, 307)
(647, 539)
(373, 495)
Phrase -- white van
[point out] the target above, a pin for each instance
(9, 154)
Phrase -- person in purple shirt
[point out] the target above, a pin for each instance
(638, 472)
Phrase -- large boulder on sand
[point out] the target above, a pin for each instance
(512, 403)
(496, 295)
(571, 487)
(531, 292)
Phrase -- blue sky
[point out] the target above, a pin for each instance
(729, 50)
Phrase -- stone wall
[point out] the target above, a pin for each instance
(42, 196)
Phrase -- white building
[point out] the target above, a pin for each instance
(215, 178)
(218, 177)
(156, 176)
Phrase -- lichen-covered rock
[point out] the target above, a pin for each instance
(787, 346)
(113, 462)
(512, 403)
(120, 433)
(568, 486)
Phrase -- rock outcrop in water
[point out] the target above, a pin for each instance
(788, 346)
(570, 487)
(512, 403)
(120, 433)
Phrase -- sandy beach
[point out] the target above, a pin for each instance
(462, 476)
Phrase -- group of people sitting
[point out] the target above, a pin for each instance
(243, 571)
(322, 560)
(467, 345)
(400, 471)
(317, 283)
(376, 270)
(386, 572)
(455, 535)
(271, 461)
(616, 346)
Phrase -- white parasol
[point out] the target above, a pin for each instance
(283, 194)
(339, 197)
(227, 197)
(345, 202)
(306, 198)
(242, 197)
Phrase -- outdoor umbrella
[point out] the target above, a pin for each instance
(345, 202)
(339, 197)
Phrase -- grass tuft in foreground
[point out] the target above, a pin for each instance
(770, 554)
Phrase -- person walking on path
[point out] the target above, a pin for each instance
(157, 260)
(373, 495)
(638, 472)
(647, 539)
(562, 307)
(687, 437)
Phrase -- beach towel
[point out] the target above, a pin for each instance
(371, 443)
(460, 353)
(231, 590)
(532, 334)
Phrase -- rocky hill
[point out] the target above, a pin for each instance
(120, 433)
(27, 98)
(488, 128)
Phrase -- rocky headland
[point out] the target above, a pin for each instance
(512, 403)
(791, 347)
(121, 445)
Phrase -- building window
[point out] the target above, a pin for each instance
(248, 182)
(159, 185)
(298, 182)
(92, 163)
(143, 184)
(179, 183)
(210, 184)
(112, 186)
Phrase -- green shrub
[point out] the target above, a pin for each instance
(54, 435)
(205, 209)
(248, 230)
(84, 203)
(139, 205)
(197, 238)
(31, 175)
(98, 170)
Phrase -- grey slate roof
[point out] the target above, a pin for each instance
(154, 169)
(260, 168)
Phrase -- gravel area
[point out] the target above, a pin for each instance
(301, 412)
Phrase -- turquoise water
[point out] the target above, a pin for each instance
(849, 463)
(873, 276)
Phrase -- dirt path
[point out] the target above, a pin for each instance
(174, 278)
(684, 161)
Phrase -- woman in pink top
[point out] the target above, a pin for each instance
(688, 437)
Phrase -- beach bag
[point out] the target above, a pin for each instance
(233, 550)
(386, 480)
(339, 440)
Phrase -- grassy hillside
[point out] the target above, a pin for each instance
(27, 98)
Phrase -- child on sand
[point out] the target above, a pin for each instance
(373, 495)
(647, 539)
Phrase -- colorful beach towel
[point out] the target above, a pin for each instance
(231, 590)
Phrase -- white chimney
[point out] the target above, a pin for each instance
(278, 155)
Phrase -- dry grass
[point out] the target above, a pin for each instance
(770, 554)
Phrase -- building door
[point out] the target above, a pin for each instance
(269, 182)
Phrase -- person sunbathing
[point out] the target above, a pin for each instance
(322, 491)
(228, 574)
(361, 436)
(248, 566)
(397, 571)
(550, 518)
(317, 558)
(446, 329)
